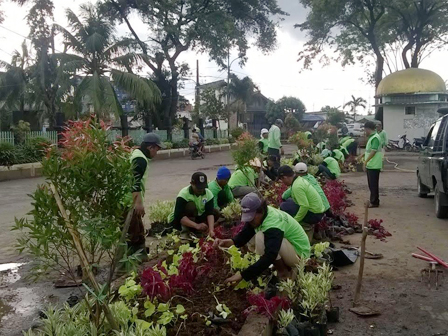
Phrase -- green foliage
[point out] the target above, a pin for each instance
(168, 144)
(278, 109)
(212, 107)
(94, 181)
(181, 144)
(238, 261)
(313, 170)
(159, 211)
(285, 318)
(319, 249)
(291, 123)
(300, 139)
(334, 116)
(7, 154)
(246, 150)
(20, 131)
(355, 103)
(232, 211)
(130, 289)
(237, 132)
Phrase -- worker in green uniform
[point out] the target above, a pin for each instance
(193, 211)
(373, 162)
(306, 204)
(338, 155)
(383, 136)
(279, 239)
(301, 170)
(330, 167)
(308, 134)
(263, 143)
(350, 146)
(222, 195)
(274, 140)
(244, 181)
(140, 159)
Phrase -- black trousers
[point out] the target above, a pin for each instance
(275, 152)
(290, 207)
(326, 172)
(373, 178)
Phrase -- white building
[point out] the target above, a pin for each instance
(409, 100)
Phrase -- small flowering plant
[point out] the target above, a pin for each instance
(93, 178)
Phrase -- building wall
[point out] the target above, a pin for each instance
(414, 126)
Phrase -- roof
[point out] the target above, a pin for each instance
(213, 85)
(309, 117)
(411, 81)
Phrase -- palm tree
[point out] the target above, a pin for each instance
(15, 81)
(354, 104)
(99, 60)
(243, 91)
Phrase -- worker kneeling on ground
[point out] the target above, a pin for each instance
(301, 170)
(270, 167)
(222, 195)
(279, 239)
(193, 212)
(244, 181)
(305, 204)
(330, 167)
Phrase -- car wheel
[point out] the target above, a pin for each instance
(441, 211)
(420, 188)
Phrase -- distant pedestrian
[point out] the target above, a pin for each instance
(263, 144)
(373, 162)
(275, 144)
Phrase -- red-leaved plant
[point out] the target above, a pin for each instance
(336, 195)
(188, 272)
(377, 229)
(154, 286)
(266, 307)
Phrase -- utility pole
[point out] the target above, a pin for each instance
(197, 98)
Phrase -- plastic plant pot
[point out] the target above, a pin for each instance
(333, 315)
(312, 331)
(322, 327)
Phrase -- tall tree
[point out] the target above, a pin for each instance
(334, 115)
(354, 104)
(211, 106)
(422, 26)
(354, 28)
(278, 109)
(212, 26)
(99, 59)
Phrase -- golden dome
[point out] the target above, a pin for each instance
(411, 81)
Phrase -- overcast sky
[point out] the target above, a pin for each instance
(276, 74)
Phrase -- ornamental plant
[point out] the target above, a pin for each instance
(232, 211)
(159, 211)
(246, 150)
(300, 139)
(93, 179)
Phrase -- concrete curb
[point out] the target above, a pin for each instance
(28, 170)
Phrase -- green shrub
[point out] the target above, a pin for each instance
(236, 132)
(181, 144)
(210, 142)
(231, 140)
(7, 154)
(168, 145)
(223, 141)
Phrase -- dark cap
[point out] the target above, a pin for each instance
(199, 180)
(279, 122)
(250, 204)
(285, 171)
(153, 139)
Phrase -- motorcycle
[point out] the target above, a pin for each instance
(196, 152)
(417, 145)
(402, 143)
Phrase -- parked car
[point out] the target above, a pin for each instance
(432, 170)
(355, 130)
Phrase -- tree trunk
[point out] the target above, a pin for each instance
(174, 99)
(404, 55)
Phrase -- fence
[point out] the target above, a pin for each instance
(8, 137)
(136, 135)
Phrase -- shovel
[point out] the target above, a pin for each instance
(357, 308)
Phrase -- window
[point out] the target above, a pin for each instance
(409, 110)
(436, 136)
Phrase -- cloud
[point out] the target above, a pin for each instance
(297, 14)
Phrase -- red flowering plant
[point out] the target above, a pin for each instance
(266, 307)
(273, 194)
(93, 178)
(336, 195)
(377, 229)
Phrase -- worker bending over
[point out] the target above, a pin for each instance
(193, 212)
(244, 180)
(279, 239)
(222, 195)
(305, 204)
(330, 167)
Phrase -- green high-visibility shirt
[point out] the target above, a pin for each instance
(347, 142)
(338, 155)
(384, 139)
(215, 188)
(333, 166)
(344, 139)
(244, 178)
(293, 231)
(374, 143)
(265, 143)
(304, 194)
(137, 153)
(199, 201)
(316, 185)
(274, 137)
